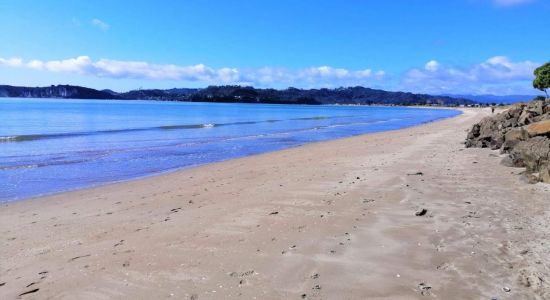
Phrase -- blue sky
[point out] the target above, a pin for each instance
(434, 46)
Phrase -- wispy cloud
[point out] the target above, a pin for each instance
(100, 24)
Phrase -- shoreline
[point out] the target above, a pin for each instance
(170, 171)
(326, 220)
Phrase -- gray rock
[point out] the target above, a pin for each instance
(534, 155)
(536, 107)
(526, 118)
(513, 137)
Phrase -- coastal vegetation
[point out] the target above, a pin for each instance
(542, 78)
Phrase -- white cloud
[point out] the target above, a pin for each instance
(100, 24)
(496, 75)
(325, 76)
(11, 62)
(511, 2)
(80, 65)
(432, 65)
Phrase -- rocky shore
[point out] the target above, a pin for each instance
(522, 132)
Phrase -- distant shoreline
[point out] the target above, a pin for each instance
(241, 94)
(179, 101)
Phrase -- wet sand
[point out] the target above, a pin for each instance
(407, 214)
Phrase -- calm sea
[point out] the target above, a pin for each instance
(49, 146)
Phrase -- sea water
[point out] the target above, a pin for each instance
(49, 146)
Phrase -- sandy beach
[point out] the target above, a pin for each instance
(407, 214)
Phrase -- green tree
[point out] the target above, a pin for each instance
(542, 78)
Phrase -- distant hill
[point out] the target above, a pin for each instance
(509, 99)
(57, 91)
(242, 94)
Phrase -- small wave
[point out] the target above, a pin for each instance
(33, 137)
(43, 164)
(315, 118)
(192, 126)
(21, 138)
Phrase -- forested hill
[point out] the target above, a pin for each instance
(54, 91)
(240, 94)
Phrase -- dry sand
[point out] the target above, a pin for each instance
(331, 220)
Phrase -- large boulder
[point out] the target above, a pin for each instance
(486, 134)
(533, 154)
(513, 137)
(526, 118)
(535, 107)
(541, 128)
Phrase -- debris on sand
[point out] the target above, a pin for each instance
(29, 292)
(424, 289)
(421, 212)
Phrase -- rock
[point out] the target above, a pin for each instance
(533, 154)
(510, 162)
(420, 213)
(539, 128)
(526, 118)
(544, 173)
(516, 134)
(424, 289)
(536, 107)
(490, 136)
(29, 292)
(513, 137)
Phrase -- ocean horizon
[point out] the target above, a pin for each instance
(55, 145)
